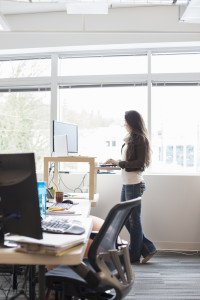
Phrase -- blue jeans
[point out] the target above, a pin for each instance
(139, 244)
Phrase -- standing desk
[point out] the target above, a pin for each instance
(73, 256)
(82, 159)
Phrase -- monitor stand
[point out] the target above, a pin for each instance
(60, 145)
(2, 240)
(3, 243)
(1, 232)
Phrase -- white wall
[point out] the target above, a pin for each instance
(170, 207)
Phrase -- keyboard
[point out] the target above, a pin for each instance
(107, 165)
(62, 225)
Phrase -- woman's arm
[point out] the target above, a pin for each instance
(112, 162)
(138, 161)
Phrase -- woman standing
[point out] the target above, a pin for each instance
(135, 158)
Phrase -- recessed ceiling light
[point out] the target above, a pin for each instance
(85, 8)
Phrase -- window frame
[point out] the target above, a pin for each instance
(53, 81)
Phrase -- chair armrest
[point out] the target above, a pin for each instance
(93, 234)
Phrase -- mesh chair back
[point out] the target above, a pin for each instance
(106, 239)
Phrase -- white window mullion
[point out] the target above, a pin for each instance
(102, 79)
(54, 92)
(176, 77)
(149, 94)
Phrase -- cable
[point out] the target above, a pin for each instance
(82, 182)
(78, 189)
(60, 178)
(75, 189)
(52, 169)
(51, 180)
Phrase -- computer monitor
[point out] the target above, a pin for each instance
(60, 145)
(68, 131)
(19, 204)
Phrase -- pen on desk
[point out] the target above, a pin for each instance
(55, 208)
(63, 212)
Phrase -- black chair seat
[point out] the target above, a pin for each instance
(61, 273)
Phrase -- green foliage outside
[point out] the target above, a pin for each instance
(25, 122)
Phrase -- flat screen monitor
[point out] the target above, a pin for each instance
(19, 204)
(68, 131)
(60, 145)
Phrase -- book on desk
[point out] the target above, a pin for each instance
(51, 243)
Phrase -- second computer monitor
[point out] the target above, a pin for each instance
(65, 135)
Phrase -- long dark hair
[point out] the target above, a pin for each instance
(138, 134)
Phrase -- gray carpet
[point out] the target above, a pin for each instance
(167, 276)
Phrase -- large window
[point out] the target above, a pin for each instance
(25, 105)
(176, 128)
(99, 112)
(176, 63)
(103, 65)
(25, 68)
(24, 123)
(94, 91)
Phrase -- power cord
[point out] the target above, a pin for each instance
(81, 183)
(60, 179)
(78, 187)
(52, 171)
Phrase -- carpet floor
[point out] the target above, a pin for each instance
(167, 276)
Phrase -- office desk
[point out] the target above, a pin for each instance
(77, 159)
(72, 256)
(80, 197)
(82, 208)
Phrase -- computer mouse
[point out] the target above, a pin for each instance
(75, 229)
(68, 201)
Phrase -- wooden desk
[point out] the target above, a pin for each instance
(82, 208)
(72, 256)
(81, 197)
(83, 159)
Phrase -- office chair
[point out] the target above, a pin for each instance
(107, 272)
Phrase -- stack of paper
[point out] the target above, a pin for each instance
(52, 244)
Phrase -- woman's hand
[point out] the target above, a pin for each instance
(112, 161)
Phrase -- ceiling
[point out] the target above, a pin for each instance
(24, 7)
(35, 6)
